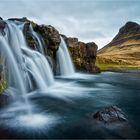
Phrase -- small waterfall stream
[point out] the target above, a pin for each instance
(38, 40)
(64, 60)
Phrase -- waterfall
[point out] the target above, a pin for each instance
(38, 40)
(27, 69)
(15, 75)
(64, 59)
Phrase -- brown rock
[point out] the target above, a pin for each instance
(53, 37)
(83, 55)
(50, 35)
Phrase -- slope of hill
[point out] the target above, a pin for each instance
(123, 52)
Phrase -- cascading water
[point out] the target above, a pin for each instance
(39, 68)
(38, 40)
(64, 60)
(34, 66)
(26, 70)
(15, 77)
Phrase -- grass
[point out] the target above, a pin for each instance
(116, 67)
(3, 85)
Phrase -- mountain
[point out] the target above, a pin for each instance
(123, 52)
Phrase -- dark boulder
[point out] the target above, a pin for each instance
(2, 24)
(110, 114)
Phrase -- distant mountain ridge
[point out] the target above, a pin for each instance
(124, 49)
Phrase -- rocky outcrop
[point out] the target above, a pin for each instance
(50, 36)
(124, 49)
(110, 114)
(83, 55)
(2, 26)
(52, 40)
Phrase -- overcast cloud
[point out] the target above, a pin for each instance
(89, 20)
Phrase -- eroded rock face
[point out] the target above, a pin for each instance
(50, 35)
(28, 35)
(83, 55)
(51, 39)
(110, 114)
(2, 26)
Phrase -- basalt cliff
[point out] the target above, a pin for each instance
(83, 54)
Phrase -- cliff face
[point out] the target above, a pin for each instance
(83, 54)
(124, 49)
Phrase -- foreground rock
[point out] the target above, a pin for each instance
(110, 114)
(83, 55)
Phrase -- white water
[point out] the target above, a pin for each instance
(64, 60)
(39, 68)
(38, 40)
(26, 69)
(15, 76)
(33, 64)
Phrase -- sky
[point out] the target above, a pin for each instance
(90, 20)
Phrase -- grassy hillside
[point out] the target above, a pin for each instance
(123, 52)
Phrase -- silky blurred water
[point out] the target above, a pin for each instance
(65, 111)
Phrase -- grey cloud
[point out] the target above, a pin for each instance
(86, 19)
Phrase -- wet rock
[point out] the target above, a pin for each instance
(28, 35)
(50, 35)
(110, 114)
(2, 26)
(53, 37)
(83, 55)
(23, 19)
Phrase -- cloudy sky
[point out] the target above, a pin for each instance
(89, 20)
